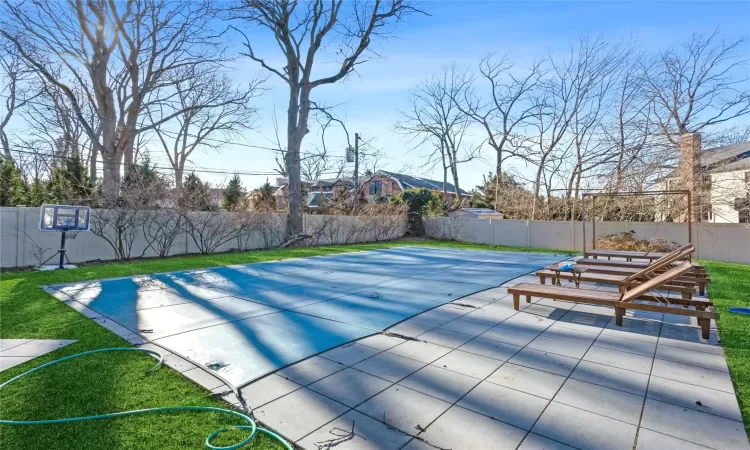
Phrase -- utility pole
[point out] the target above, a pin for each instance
(356, 172)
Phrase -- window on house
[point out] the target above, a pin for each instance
(376, 187)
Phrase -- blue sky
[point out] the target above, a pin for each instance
(462, 32)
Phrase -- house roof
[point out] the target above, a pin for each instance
(326, 182)
(480, 211)
(314, 198)
(726, 159)
(410, 182)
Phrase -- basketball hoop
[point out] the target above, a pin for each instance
(63, 218)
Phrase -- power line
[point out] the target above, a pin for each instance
(198, 169)
(218, 141)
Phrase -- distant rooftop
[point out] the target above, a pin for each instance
(411, 182)
(727, 158)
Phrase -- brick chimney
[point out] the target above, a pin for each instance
(690, 170)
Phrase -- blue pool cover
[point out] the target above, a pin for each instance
(253, 319)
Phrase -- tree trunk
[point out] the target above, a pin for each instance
(454, 172)
(179, 172)
(6, 146)
(110, 178)
(293, 168)
(297, 115)
(445, 183)
(92, 164)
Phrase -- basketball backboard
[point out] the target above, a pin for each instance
(64, 218)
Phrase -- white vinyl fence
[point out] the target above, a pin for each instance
(22, 244)
(716, 241)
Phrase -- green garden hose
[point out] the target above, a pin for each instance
(250, 422)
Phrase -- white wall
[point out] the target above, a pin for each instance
(717, 241)
(20, 237)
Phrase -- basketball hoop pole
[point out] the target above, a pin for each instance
(61, 252)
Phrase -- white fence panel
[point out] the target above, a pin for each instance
(22, 244)
(721, 242)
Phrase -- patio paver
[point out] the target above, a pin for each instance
(350, 387)
(350, 353)
(470, 364)
(536, 442)
(404, 408)
(440, 383)
(601, 400)
(622, 360)
(459, 428)
(420, 351)
(548, 362)
(310, 370)
(713, 379)
(584, 430)
(504, 404)
(611, 377)
(699, 398)
(299, 413)
(267, 390)
(525, 379)
(651, 440)
(697, 427)
(355, 431)
(389, 366)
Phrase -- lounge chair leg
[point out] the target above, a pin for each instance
(543, 280)
(702, 288)
(528, 299)
(619, 313)
(516, 302)
(686, 296)
(705, 325)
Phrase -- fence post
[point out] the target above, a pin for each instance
(572, 235)
(528, 233)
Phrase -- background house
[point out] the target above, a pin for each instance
(384, 184)
(718, 178)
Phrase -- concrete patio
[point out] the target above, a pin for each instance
(17, 351)
(475, 374)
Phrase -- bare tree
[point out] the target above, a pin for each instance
(15, 90)
(698, 85)
(119, 54)
(435, 119)
(561, 98)
(628, 127)
(210, 110)
(727, 136)
(509, 106)
(301, 29)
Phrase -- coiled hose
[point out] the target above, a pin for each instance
(250, 422)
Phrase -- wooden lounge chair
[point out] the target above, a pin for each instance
(627, 254)
(622, 301)
(628, 264)
(684, 287)
(657, 266)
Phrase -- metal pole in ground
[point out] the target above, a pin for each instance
(62, 250)
(356, 172)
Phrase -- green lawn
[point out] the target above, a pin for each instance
(730, 286)
(112, 382)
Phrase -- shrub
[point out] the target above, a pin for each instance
(627, 241)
